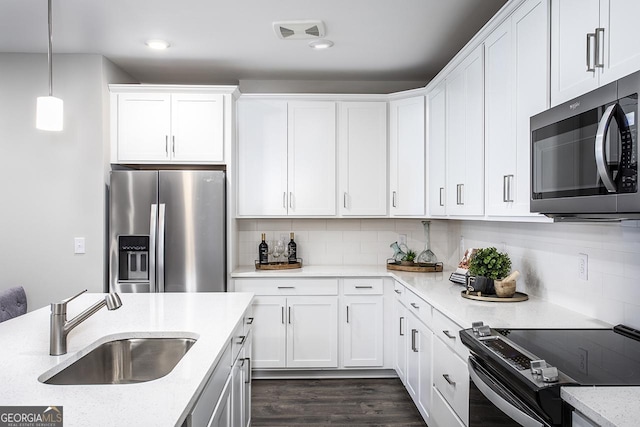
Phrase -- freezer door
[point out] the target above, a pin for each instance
(193, 236)
(133, 199)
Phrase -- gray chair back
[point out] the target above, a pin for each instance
(13, 302)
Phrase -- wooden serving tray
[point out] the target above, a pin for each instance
(279, 265)
(418, 267)
(517, 297)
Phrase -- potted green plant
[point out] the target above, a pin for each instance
(409, 258)
(488, 265)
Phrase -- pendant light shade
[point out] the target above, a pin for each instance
(49, 109)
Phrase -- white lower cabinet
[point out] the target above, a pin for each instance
(451, 379)
(362, 309)
(400, 319)
(312, 332)
(442, 414)
(221, 416)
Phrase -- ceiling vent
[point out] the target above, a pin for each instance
(299, 30)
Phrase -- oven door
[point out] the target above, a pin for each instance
(490, 403)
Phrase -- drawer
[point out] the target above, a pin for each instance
(203, 408)
(288, 286)
(442, 414)
(364, 286)
(399, 289)
(449, 332)
(451, 379)
(418, 307)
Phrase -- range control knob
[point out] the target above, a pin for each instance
(550, 374)
(484, 331)
(476, 325)
(537, 366)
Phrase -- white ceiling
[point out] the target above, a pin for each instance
(218, 42)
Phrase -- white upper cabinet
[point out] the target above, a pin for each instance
(436, 150)
(407, 157)
(465, 137)
(157, 126)
(592, 43)
(516, 85)
(312, 158)
(262, 157)
(286, 158)
(362, 157)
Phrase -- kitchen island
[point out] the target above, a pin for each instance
(24, 356)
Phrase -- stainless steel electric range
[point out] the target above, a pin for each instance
(516, 374)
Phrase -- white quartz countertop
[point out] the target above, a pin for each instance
(24, 356)
(607, 406)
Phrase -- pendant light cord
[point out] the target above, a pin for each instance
(49, 58)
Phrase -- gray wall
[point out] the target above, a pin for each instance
(52, 184)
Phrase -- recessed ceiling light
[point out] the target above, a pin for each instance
(320, 44)
(157, 44)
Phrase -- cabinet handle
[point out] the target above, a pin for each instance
(282, 314)
(393, 199)
(284, 199)
(249, 320)
(173, 144)
(416, 306)
(401, 328)
(241, 339)
(590, 37)
(441, 196)
(459, 194)
(413, 340)
(344, 200)
(289, 315)
(364, 287)
(452, 337)
(446, 377)
(291, 200)
(599, 62)
(166, 145)
(248, 380)
(286, 287)
(347, 314)
(397, 291)
(507, 195)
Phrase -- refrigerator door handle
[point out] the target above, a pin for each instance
(161, 231)
(153, 231)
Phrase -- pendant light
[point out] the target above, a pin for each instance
(49, 109)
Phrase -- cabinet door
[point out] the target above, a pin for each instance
(571, 21)
(269, 332)
(144, 127)
(362, 141)
(619, 18)
(407, 157)
(465, 137)
(363, 331)
(197, 127)
(400, 344)
(312, 332)
(237, 392)
(262, 158)
(312, 158)
(221, 416)
(413, 357)
(246, 378)
(436, 149)
(425, 357)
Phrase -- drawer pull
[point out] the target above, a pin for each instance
(282, 313)
(347, 314)
(446, 377)
(286, 287)
(401, 328)
(397, 291)
(416, 306)
(289, 315)
(249, 320)
(248, 380)
(364, 287)
(413, 340)
(241, 339)
(452, 337)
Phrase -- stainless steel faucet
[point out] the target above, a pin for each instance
(60, 328)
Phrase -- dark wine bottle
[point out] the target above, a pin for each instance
(263, 251)
(293, 251)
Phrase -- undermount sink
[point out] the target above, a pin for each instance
(124, 361)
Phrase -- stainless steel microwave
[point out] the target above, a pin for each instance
(584, 155)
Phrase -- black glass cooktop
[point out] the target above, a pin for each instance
(589, 356)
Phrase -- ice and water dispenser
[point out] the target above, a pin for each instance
(133, 258)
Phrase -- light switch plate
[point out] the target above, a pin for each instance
(78, 245)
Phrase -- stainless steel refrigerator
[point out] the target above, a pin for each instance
(167, 231)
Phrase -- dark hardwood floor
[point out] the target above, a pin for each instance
(334, 402)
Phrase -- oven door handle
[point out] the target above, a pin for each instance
(500, 402)
(600, 148)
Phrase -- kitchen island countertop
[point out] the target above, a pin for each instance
(24, 356)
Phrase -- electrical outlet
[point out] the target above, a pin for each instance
(402, 239)
(583, 361)
(583, 266)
